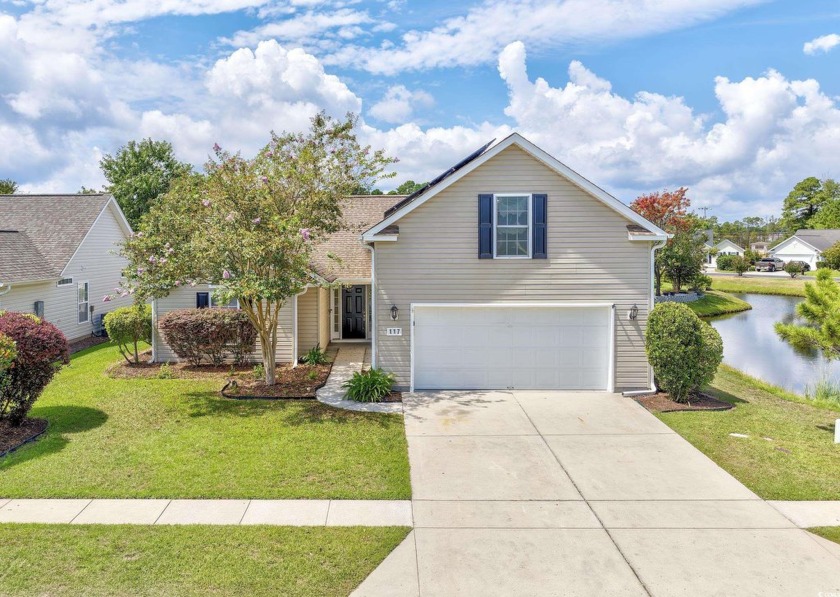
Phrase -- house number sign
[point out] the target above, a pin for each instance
(393, 331)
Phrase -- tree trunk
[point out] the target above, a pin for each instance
(136, 354)
(269, 359)
(657, 274)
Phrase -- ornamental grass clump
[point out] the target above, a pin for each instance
(369, 386)
(683, 350)
(39, 349)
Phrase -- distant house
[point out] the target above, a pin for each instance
(724, 247)
(58, 257)
(806, 245)
(759, 247)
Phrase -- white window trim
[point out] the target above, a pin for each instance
(79, 304)
(529, 201)
(65, 282)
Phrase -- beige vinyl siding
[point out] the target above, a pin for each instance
(307, 320)
(590, 259)
(184, 297)
(95, 262)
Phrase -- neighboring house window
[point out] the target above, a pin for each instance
(512, 226)
(84, 302)
(202, 300)
(65, 282)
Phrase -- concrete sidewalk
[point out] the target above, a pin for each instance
(215, 512)
(351, 358)
(583, 493)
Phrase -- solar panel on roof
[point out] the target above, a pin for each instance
(440, 178)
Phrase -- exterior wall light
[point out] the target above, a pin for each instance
(395, 312)
(633, 313)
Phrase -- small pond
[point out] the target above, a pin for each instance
(750, 344)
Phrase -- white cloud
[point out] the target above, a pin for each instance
(774, 132)
(309, 29)
(478, 36)
(398, 104)
(822, 44)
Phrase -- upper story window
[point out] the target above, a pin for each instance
(65, 282)
(512, 226)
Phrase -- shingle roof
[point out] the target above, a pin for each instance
(53, 225)
(820, 239)
(20, 260)
(360, 212)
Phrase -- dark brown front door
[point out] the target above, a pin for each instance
(353, 316)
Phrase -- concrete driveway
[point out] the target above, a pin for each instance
(580, 493)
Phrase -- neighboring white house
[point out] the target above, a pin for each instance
(58, 258)
(806, 245)
(724, 247)
(508, 271)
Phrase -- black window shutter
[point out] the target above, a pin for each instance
(485, 226)
(539, 242)
(202, 300)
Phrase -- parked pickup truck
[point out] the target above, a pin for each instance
(769, 264)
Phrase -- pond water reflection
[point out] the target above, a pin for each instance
(750, 344)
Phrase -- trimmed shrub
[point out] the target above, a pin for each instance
(209, 334)
(740, 265)
(369, 386)
(794, 268)
(724, 262)
(127, 326)
(39, 346)
(8, 353)
(683, 350)
(701, 283)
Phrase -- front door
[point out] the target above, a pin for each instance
(353, 312)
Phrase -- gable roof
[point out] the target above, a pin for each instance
(359, 212)
(487, 152)
(50, 229)
(728, 242)
(819, 239)
(20, 259)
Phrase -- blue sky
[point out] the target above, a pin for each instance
(723, 96)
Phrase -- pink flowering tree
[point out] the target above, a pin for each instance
(248, 226)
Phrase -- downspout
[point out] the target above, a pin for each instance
(154, 330)
(651, 303)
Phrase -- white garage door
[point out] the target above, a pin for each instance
(512, 347)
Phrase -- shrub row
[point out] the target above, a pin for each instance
(209, 334)
(31, 351)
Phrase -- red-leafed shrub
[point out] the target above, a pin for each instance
(211, 334)
(39, 347)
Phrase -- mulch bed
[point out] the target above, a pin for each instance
(662, 403)
(292, 382)
(393, 397)
(78, 345)
(146, 370)
(12, 438)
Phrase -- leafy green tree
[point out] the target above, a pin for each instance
(829, 214)
(831, 256)
(249, 225)
(682, 258)
(87, 191)
(805, 201)
(8, 186)
(139, 173)
(740, 265)
(407, 188)
(821, 312)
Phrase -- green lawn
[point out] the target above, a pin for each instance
(830, 533)
(790, 452)
(787, 286)
(93, 560)
(715, 302)
(135, 438)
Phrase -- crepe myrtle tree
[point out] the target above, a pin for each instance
(248, 226)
